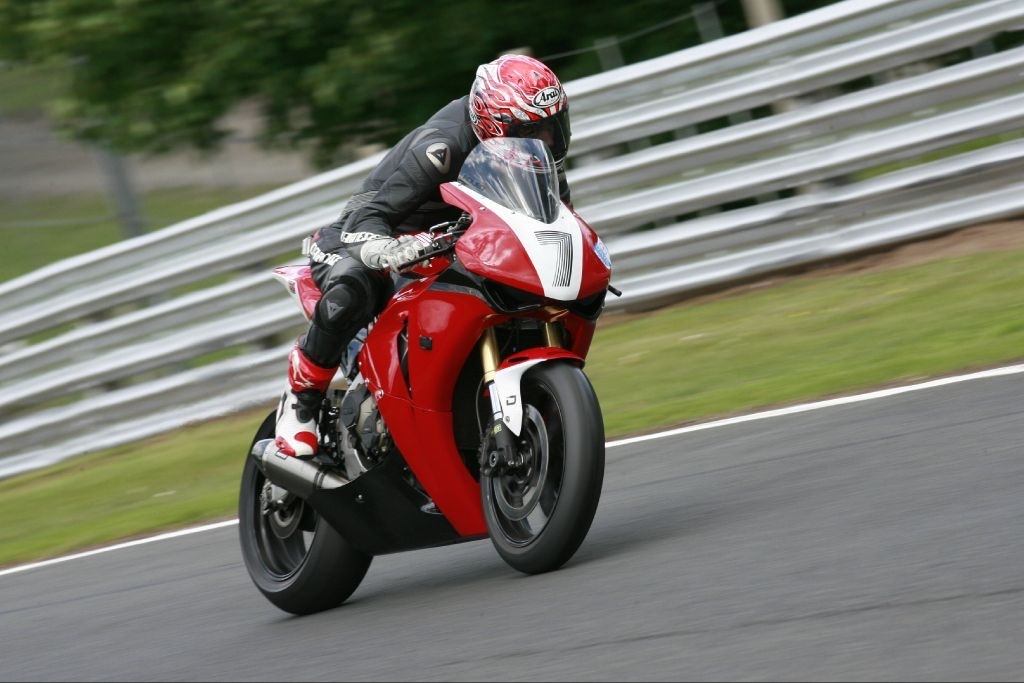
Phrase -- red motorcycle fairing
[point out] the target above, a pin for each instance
(596, 275)
(300, 284)
(490, 248)
(415, 396)
(411, 363)
(581, 333)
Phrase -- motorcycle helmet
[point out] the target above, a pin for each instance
(519, 97)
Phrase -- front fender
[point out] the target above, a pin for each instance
(508, 380)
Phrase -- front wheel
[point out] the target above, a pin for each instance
(295, 558)
(539, 511)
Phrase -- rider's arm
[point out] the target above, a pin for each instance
(414, 182)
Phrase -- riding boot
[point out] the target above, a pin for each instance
(299, 409)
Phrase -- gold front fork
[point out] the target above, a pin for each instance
(489, 354)
(491, 357)
(489, 348)
(553, 335)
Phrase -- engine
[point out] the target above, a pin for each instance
(364, 438)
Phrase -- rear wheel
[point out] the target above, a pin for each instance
(295, 558)
(539, 511)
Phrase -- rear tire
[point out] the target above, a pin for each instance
(295, 558)
(556, 498)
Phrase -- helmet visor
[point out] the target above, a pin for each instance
(552, 130)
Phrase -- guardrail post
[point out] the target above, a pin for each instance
(122, 192)
(761, 12)
(609, 54)
(983, 49)
(709, 27)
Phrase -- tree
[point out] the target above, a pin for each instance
(155, 75)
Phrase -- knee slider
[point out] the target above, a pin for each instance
(339, 308)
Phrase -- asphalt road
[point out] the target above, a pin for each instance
(882, 540)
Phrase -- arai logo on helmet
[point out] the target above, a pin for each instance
(547, 96)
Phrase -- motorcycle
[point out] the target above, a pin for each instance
(466, 414)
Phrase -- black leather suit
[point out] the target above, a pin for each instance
(401, 195)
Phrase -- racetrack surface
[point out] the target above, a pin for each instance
(879, 540)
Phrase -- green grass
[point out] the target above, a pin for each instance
(88, 222)
(164, 482)
(809, 337)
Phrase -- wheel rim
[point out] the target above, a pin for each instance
(283, 533)
(523, 500)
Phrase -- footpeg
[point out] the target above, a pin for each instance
(301, 477)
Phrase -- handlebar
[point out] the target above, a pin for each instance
(443, 236)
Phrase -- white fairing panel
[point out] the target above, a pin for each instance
(556, 249)
(507, 383)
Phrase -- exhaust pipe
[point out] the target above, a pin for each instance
(301, 477)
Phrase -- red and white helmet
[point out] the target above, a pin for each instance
(519, 97)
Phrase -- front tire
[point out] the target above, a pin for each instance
(539, 514)
(296, 559)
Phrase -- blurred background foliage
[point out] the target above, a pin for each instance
(153, 76)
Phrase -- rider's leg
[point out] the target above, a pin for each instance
(352, 295)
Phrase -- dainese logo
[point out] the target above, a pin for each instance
(547, 97)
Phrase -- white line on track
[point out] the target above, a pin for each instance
(764, 415)
(120, 546)
(818, 405)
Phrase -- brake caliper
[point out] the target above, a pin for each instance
(498, 450)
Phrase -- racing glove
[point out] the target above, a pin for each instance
(393, 253)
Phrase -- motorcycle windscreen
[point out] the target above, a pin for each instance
(518, 173)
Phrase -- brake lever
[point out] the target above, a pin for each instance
(423, 259)
(450, 227)
(451, 236)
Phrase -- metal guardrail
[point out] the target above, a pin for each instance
(774, 43)
(677, 70)
(798, 168)
(88, 340)
(143, 399)
(135, 253)
(772, 256)
(831, 65)
(817, 210)
(827, 118)
(822, 141)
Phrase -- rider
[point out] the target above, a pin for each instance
(513, 96)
